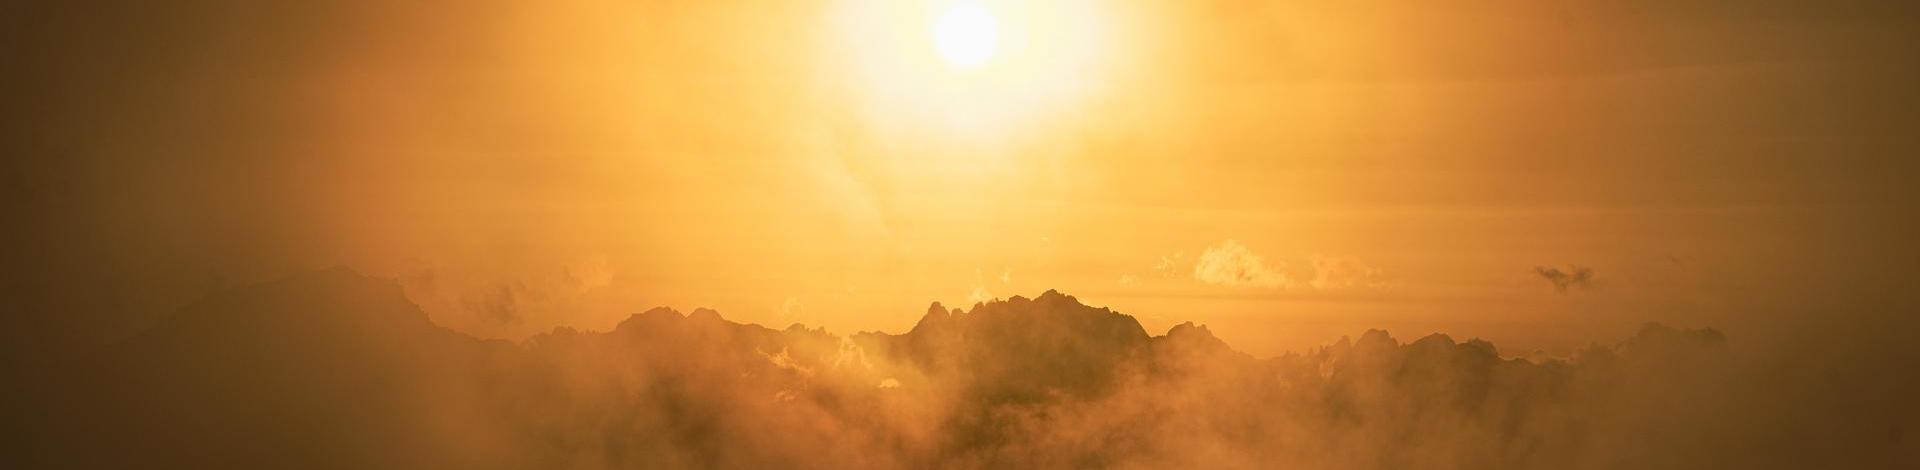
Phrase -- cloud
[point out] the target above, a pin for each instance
(979, 294)
(339, 368)
(1231, 264)
(791, 311)
(1343, 272)
(1579, 277)
(784, 360)
(1171, 266)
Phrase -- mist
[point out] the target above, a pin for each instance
(332, 369)
(726, 234)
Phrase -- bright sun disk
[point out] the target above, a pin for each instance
(966, 35)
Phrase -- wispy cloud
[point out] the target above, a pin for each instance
(1171, 266)
(1576, 277)
(1229, 263)
(1332, 272)
(1232, 264)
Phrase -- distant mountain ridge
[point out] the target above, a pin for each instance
(331, 369)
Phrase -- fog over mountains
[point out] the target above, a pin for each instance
(331, 369)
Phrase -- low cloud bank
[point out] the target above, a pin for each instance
(331, 369)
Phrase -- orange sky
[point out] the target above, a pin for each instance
(1284, 172)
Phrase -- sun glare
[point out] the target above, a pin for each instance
(974, 70)
(966, 35)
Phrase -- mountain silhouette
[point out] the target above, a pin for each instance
(331, 369)
(309, 371)
(1019, 349)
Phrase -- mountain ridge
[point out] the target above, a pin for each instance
(336, 369)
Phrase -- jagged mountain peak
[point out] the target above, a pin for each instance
(1194, 337)
(653, 317)
(704, 314)
(333, 356)
(306, 304)
(1189, 329)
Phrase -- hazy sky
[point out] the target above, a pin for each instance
(1286, 172)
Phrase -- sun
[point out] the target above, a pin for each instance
(986, 72)
(966, 35)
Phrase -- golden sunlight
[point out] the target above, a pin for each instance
(966, 35)
(979, 70)
(961, 234)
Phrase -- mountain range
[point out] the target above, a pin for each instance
(332, 369)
